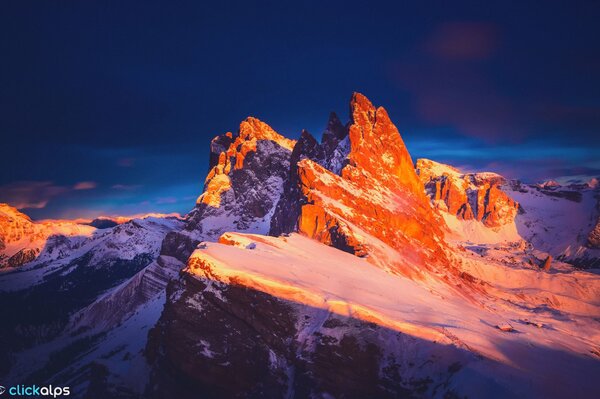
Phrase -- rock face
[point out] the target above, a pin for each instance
(245, 181)
(594, 237)
(331, 153)
(547, 263)
(593, 240)
(376, 191)
(470, 196)
(280, 349)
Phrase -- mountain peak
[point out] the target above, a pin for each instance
(362, 110)
(377, 147)
(335, 129)
(253, 128)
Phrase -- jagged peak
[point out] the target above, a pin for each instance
(307, 146)
(362, 111)
(334, 128)
(253, 128)
(377, 147)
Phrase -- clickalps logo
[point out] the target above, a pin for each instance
(34, 390)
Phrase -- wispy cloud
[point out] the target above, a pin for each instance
(85, 185)
(30, 194)
(126, 187)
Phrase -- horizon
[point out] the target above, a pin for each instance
(110, 109)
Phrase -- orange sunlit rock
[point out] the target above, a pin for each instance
(468, 196)
(377, 193)
(232, 152)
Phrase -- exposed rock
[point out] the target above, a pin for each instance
(469, 196)
(594, 236)
(229, 341)
(23, 256)
(178, 245)
(246, 179)
(593, 239)
(377, 192)
(505, 327)
(377, 148)
(547, 263)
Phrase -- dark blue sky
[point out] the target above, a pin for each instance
(110, 108)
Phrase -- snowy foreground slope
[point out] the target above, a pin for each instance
(327, 269)
(452, 341)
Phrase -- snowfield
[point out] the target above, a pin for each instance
(536, 333)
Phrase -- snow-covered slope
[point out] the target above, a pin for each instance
(559, 221)
(556, 219)
(70, 274)
(321, 284)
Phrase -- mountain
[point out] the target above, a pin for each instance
(366, 207)
(421, 310)
(326, 323)
(331, 268)
(470, 196)
(22, 240)
(486, 207)
(69, 274)
(244, 183)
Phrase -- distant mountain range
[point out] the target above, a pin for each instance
(336, 268)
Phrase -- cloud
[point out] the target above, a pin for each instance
(85, 185)
(126, 187)
(459, 96)
(463, 41)
(30, 194)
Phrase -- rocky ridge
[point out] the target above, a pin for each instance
(469, 196)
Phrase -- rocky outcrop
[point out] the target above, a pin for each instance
(23, 256)
(246, 178)
(594, 236)
(593, 239)
(469, 196)
(376, 192)
(547, 263)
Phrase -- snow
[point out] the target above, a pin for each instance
(473, 231)
(124, 241)
(438, 169)
(564, 302)
(556, 225)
